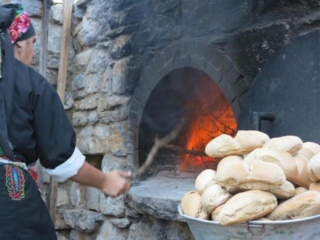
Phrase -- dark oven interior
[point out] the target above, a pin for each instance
(190, 94)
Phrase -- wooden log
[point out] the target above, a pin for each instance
(62, 76)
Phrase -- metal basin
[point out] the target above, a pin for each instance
(299, 229)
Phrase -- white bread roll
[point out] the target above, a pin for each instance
(246, 206)
(216, 212)
(222, 146)
(302, 179)
(314, 167)
(279, 157)
(315, 186)
(307, 153)
(205, 179)
(263, 176)
(303, 205)
(314, 147)
(191, 205)
(214, 196)
(235, 190)
(300, 190)
(290, 144)
(250, 140)
(285, 191)
(231, 170)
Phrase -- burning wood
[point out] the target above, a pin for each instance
(184, 150)
(158, 143)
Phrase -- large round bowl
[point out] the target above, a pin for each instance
(298, 229)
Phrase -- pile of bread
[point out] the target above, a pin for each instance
(257, 178)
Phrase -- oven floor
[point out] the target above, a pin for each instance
(160, 196)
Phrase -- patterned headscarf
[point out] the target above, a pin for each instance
(21, 28)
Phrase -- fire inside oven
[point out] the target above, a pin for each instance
(190, 94)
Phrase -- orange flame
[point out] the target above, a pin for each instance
(211, 115)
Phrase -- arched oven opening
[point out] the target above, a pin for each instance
(191, 94)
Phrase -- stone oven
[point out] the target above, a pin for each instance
(198, 92)
(137, 67)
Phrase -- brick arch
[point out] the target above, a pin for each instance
(185, 53)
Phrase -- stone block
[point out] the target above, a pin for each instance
(75, 235)
(240, 86)
(79, 119)
(112, 206)
(88, 103)
(110, 163)
(57, 13)
(121, 222)
(232, 75)
(112, 102)
(83, 3)
(81, 60)
(120, 75)
(212, 72)
(62, 196)
(93, 83)
(86, 36)
(83, 220)
(227, 90)
(68, 101)
(99, 61)
(236, 109)
(103, 139)
(110, 232)
(77, 194)
(121, 47)
(93, 117)
(93, 199)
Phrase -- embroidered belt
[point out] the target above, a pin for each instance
(15, 179)
(18, 164)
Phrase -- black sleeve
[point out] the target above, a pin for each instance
(54, 134)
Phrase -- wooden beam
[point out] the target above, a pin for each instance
(63, 65)
(62, 76)
(43, 64)
(44, 39)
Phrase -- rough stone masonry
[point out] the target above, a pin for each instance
(113, 43)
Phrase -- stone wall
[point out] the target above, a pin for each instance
(115, 43)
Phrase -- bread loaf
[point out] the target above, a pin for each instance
(222, 146)
(302, 179)
(263, 176)
(315, 186)
(214, 196)
(314, 147)
(279, 157)
(303, 205)
(246, 206)
(307, 153)
(300, 190)
(205, 179)
(250, 140)
(216, 212)
(191, 206)
(314, 167)
(231, 170)
(290, 144)
(285, 191)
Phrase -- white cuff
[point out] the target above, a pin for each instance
(68, 168)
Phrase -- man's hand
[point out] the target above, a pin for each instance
(116, 183)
